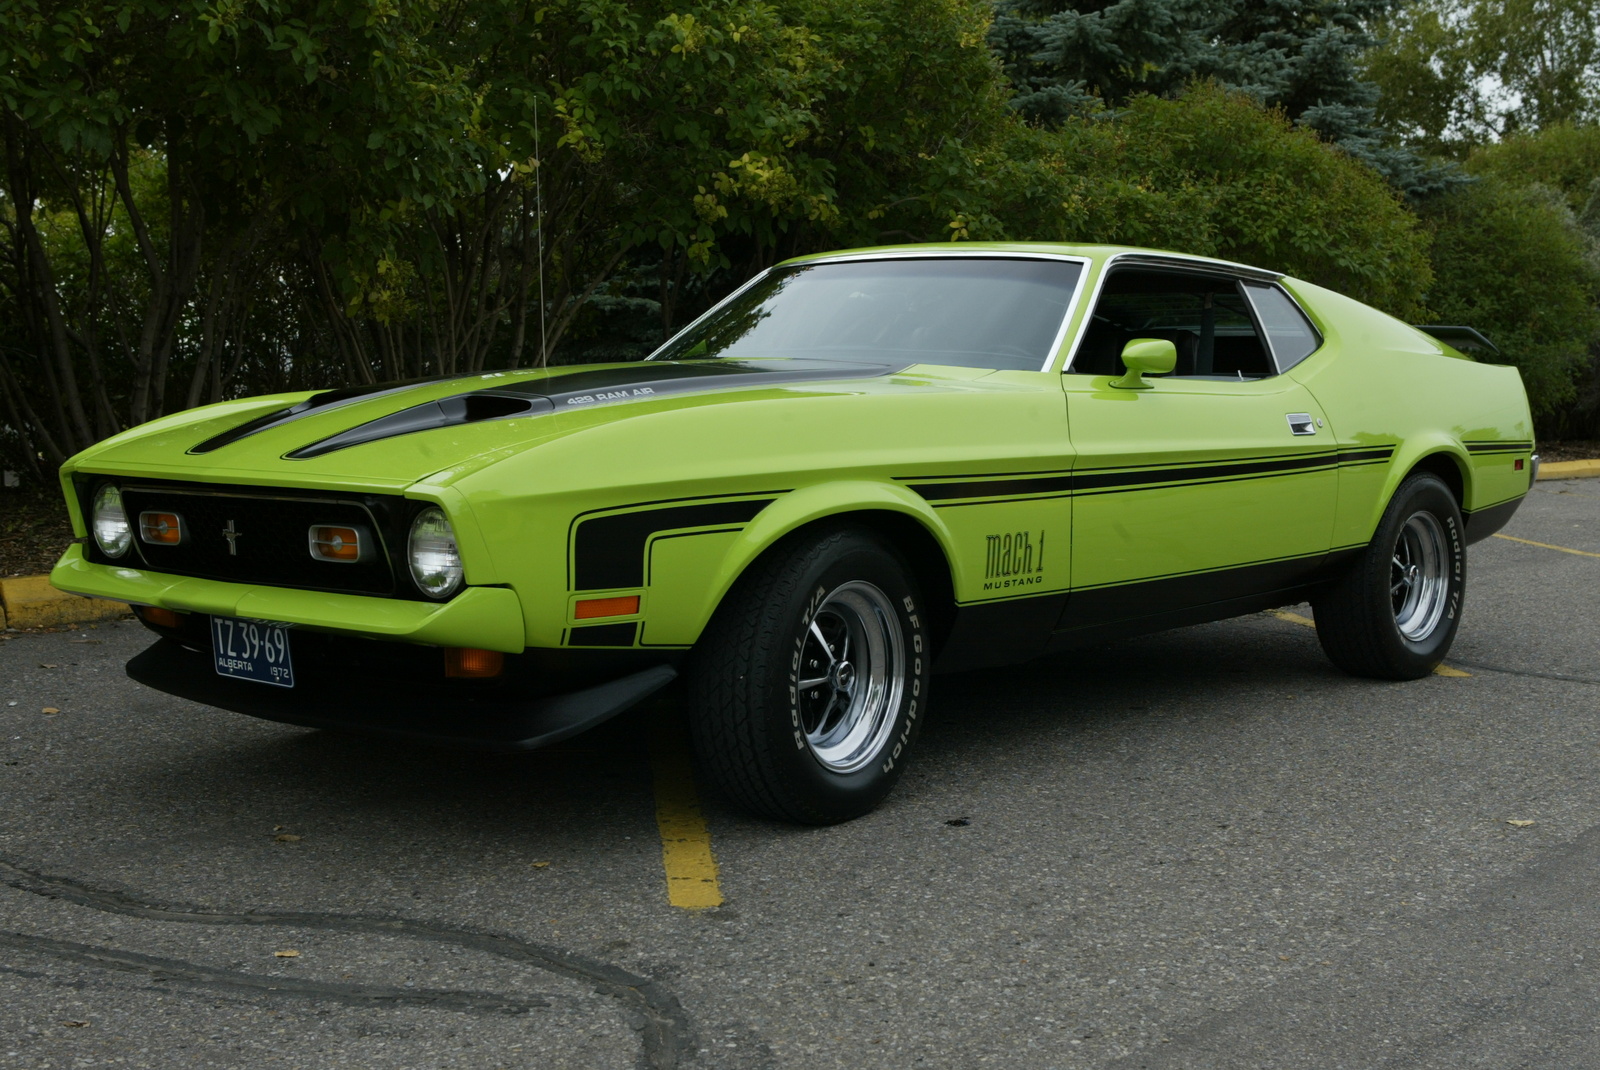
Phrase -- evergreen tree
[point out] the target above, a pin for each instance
(1073, 58)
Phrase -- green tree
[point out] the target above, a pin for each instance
(1561, 160)
(1071, 57)
(1513, 261)
(1214, 173)
(1457, 73)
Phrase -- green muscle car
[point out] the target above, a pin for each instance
(860, 469)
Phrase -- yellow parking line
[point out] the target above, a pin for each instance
(1295, 618)
(685, 841)
(1547, 546)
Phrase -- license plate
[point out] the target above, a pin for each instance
(252, 650)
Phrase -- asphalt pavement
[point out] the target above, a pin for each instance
(1205, 848)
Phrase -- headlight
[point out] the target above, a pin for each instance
(111, 530)
(435, 561)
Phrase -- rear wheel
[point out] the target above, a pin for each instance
(810, 684)
(1394, 612)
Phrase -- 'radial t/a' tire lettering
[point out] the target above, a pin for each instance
(1394, 612)
(810, 685)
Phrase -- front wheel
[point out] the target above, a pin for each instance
(1394, 612)
(809, 686)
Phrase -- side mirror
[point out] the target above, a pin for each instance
(1146, 356)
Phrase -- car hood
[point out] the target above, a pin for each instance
(390, 436)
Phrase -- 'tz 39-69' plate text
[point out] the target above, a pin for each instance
(252, 650)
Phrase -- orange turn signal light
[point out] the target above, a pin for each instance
(164, 618)
(161, 529)
(470, 663)
(589, 608)
(331, 542)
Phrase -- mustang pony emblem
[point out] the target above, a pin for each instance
(231, 535)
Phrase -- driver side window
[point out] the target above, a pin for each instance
(1206, 317)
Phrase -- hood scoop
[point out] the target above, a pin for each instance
(446, 412)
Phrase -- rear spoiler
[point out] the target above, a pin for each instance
(1462, 338)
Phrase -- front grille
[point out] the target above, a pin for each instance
(261, 536)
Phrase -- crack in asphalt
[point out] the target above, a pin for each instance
(193, 973)
(1481, 667)
(650, 1009)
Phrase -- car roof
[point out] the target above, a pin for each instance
(1098, 253)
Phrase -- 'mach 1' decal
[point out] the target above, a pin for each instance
(1013, 560)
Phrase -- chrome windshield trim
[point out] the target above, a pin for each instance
(757, 277)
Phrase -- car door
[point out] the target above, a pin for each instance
(1212, 485)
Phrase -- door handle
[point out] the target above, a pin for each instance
(1301, 423)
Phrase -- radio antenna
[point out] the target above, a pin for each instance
(538, 213)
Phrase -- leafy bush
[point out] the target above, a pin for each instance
(1213, 173)
(1513, 262)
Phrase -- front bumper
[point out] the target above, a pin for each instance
(489, 618)
(390, 689)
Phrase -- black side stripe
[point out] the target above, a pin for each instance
(1112, 480)
(608, 551)
(1483, 445)
(1478, 448)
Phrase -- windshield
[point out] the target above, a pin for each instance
(972, 312)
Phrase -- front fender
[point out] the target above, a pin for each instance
(788, 514)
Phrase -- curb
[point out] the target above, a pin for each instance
(30, 602)
(1569, 469)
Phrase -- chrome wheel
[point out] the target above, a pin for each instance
(1419, 580)
(852, 676)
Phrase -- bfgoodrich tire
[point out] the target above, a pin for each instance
(809, 687)
(1395, 611)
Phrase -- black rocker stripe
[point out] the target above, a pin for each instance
(1089, 607)
(608, 551)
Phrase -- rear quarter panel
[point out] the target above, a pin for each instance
(1384, 383)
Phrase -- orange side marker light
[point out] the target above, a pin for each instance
(589, 608)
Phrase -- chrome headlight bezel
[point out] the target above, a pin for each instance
(432, 555)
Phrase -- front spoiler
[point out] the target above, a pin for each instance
(453, 712)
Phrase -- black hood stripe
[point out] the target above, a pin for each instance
(326, 401)
(602, 386)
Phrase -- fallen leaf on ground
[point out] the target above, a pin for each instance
(286, 837)
(83, 640)
(75, 1025)
(291, 954)
(50, 709)
(1520, 824)
(540, 865)
(47, 665)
